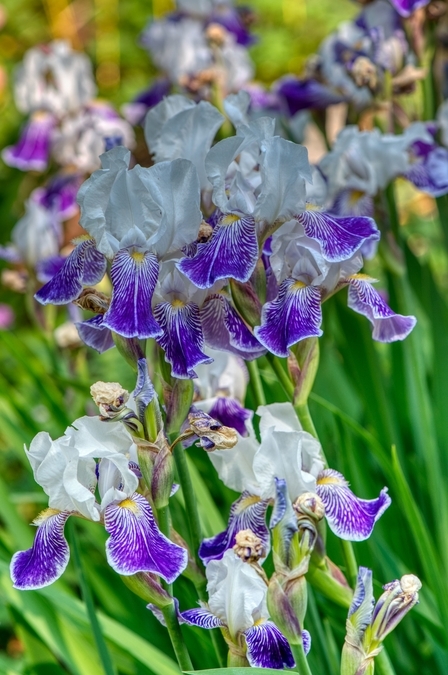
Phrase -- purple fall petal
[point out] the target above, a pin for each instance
(294, 315)
(267, 647)
(305, 94)
(231, 251)
(387, 326)
(136, 543)
(134, 276)
(224, 329)
(33, 148)
(94, 334)
(48, 268)
(47, 559)
(182, 338)
(430, 173)
(202, 618)
(348, 516)
(339, 237)
(231, 413)
(247, 513)
(407, 7)
(84, 265)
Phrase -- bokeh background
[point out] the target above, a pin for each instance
(380, 409)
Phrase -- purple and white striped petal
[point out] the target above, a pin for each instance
(306, 642)
(136, 543)
(202, 618)
(48, 268)
(348, 516)
(231, 251)
(94, 334)
(231, 413)
(365, 300)
(33, 148)
(48, 557)
(182, 338)
(134, 276)
(294, 315)
(144, 391)
(247, 513)
(84, 266)
(267, 647)
(339, 237)
(224, 329)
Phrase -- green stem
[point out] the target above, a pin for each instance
(177, 640)
(302, 666)
(350, 562)
(255, 380)
(163, 517)
(191, 506)
(100, 642)
(283, 377)
(305, 419)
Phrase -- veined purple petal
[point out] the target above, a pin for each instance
(231, 251)
(33, 148)
(182, 338)
(353, 203)
(280, 504)
(94, 334)
(134, 276)
(137, 545)
(48, 268)
(339, 237)
(201, 617)
(59, 194)
(144, 390)
(231, 413)
(224, 329)
(247, 513)
(294, 315)
(430, 174)
(361, 608)
(365, 300)
(47, 559)
(306, 642)
(267, 647)
(407, 7)
(305, 94)
(84, 265)
(348, 516)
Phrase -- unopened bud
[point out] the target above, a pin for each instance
(282, 612)
(110, 397)
(162, 476)
(309, 504)
(248, 546)
(399, 597)
(212, 434)
(66, 336)
(147, 587)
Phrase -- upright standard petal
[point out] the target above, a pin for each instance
(84, 265)
(339, 237)
(247, 513)
(365, 300)
(47, 559)
(231, 251)
(294, 315)
(136, 543)
(182, 337)
(267, 647)
(348, 516)
(134, 277)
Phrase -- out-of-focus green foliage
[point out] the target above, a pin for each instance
(380, 410)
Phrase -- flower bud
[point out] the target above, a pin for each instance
(303, 362)
(178, 401)
(309, 504)
(246, 301)
(212, 434)
(110, 397)
(399, 597)
(248, 546)
(162, 476)
(147, 587)
(282, 612)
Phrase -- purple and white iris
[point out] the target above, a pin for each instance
(237, 605)
(288, 456)
(93, 456)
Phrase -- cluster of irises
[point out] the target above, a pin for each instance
(221, 252)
